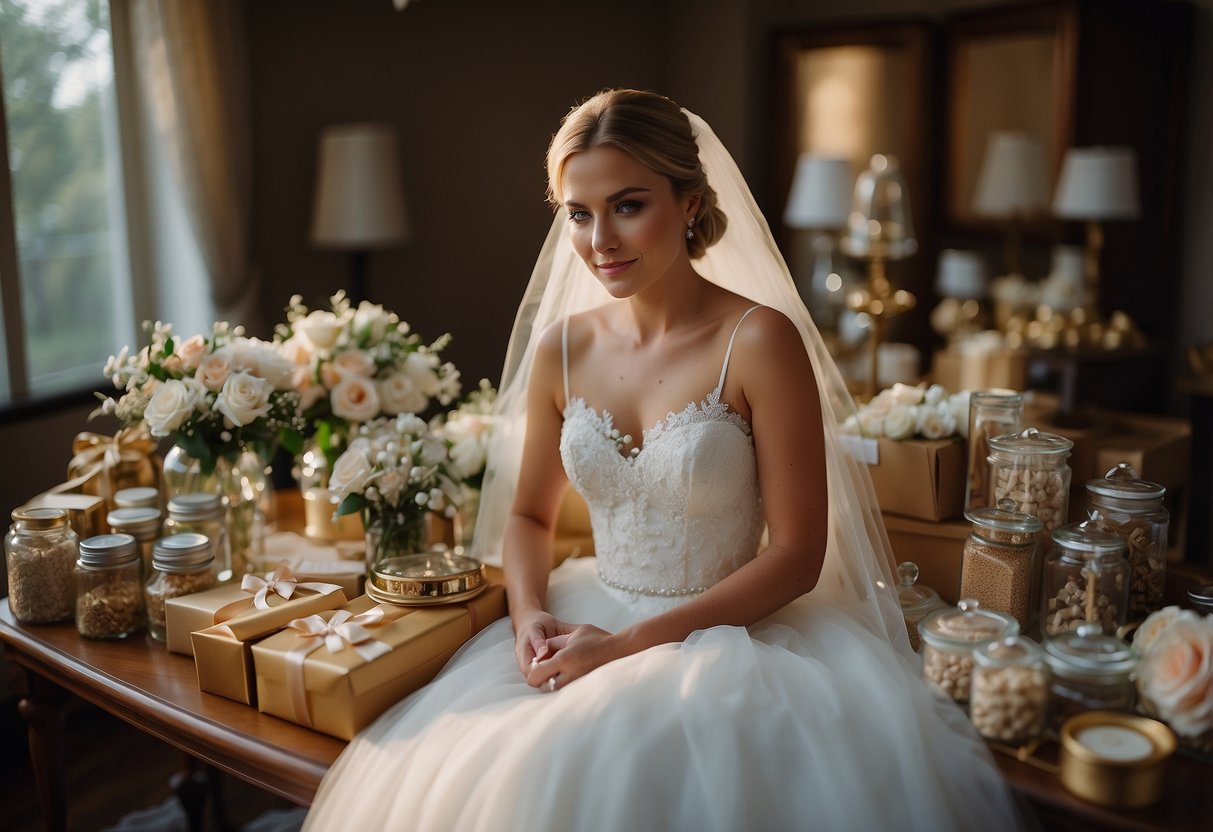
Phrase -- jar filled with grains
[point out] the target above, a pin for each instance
(1010, 690)
(142, 523)
(1131, 508)
(181, 564)
(41, 551)
(1086, 580)
(949, 636)
(916, 600)
(1030, 468)
(204, 514)
(991, 413)
(998, 565)
(109, 587)
(140, 497)
(1089, 670)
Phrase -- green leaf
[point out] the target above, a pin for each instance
(291, 441)
(352, 504)
(195, 446)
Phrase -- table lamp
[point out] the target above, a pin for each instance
(359, 201)
(1012, 186)
(960, 281)
(820, 201)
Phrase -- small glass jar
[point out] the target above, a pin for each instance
(109, 587)
(1123, 503)
(998, 565)
(181, 564)
(1089, 670)
(140, 522)
(991, 413)
(917, 601)
(1010, 690)
(202, 513)
(1201, 599)
(140, 497)
(41, 550)
(1086, 580)
(949, 636)
(1030, 468)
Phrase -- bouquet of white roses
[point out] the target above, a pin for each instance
(214, 395)
(905, 412)
(468, 429)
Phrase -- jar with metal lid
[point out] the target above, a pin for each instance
(991, 413)
(1201, 599)
(139, 497)
(1010, 690)
(181, 564)
(202, 513)
(140, 522)
(949, 636)
(1086, 580)
(1123, 503)
(998, 565)
(1089, 670)
(1030, 468)
(41, 550)
(917, 601)
(109, 587)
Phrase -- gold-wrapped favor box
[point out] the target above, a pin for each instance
(85, 513)
(379, 661)
(186, 614)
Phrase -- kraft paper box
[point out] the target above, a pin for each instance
(923, 478)
(958, 369)
(186, 614)
(341, 693)
(85, 513)
(936, 548)
(1158, 447)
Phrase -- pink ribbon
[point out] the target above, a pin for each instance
(343, 630)
(281, 582)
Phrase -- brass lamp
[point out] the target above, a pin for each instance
(819, 202)
(879, 229)
(1012, 186)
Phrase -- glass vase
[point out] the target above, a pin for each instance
(465, 520)
(392, 534)
(319, 502)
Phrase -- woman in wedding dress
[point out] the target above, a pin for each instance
(734, 657)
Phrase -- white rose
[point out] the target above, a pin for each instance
(371, 319)
(935, 394)
(244, 398)
(352, 471)
(355, 398)
(422, 369)
(191, 351)
(936, 422)
(213, 370)
(274, 367)
(1175, 678)
(871, 425)
(433, 451)
(880, 405)
(468, 456)
(905, 394)
(958, 403)
(850, 425)
(321, 328)
(297, 350)
(901, 423)
(399, 394)
(172, 404)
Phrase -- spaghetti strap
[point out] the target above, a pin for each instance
(564, 357)
(725, 367)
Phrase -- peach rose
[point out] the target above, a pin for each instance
(191, 351)
(1175, 679)
(355, 399)
(357, 363)
(320, 328)
(213, 370)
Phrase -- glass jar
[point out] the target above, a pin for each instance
(140, 497)
(1123, 503)
(1086, 580)
(109, 587)
(41, 550)
(140, 522)
(1030, 468)
(1089, 670)
(998, 566)
(181, 564)
(916, 601)
(1010, 690)
(1201, 599)
(202, 512)
(991, 413)
(949, 636)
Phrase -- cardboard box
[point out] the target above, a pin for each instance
(341, 693)
(921, 478)
(957, 369)
(936, 548)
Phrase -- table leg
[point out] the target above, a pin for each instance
(42, 709)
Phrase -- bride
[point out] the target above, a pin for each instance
(734, 658)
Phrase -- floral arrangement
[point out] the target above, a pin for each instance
(215, 395)
(905, 412)
(1175, 677)
(468, 428)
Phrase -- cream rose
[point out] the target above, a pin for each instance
(244, 398)
(191, 351)
(213, 370)
(905, 394)
(371, 319)
(345, 364)
(400, 394)
(901, 422)
(422, 369)
(1155, 623)
(871, 425)
(1175, 679)
(352, 471)
(320, 328)
(936, 422)
(958, 403)
(172, 404)
(355, 398)
(934, 395)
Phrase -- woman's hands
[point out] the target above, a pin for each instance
(531, 634)
(571, 654)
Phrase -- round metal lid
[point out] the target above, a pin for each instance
(1202, 597)
(138, 521)
(426, 578)
(1089, 539)
(1031, 441)
(196, 505)
(39, 518)
(1124, 483)
(1088, 651)
(135, 497)
(183, 552)
(108, 550)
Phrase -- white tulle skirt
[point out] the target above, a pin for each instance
(804, 721)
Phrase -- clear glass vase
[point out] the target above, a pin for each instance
(465, 520)
(247, 495)
(319, 502)
(392, 534)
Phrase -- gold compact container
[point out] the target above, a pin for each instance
(426, 578)
(1114, 759)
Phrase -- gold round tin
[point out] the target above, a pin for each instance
(426, 578)
(1127, 770)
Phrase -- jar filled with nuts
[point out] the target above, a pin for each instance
(109, 587)
(991, 413)
(202, 513)
(916, 600)
(999, 561)
(181, 564)
(1086, 580)
(41, 551)
(1089, 670)
(140, 522)
(949, 636)
(1030, 468)
(1010, 690)
(1131, 508)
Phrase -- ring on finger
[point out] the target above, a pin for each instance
(550, 684)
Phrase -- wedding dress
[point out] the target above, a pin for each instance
(810, 719)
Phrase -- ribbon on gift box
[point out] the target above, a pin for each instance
(94, 453)
(281, 582)
(342, 630)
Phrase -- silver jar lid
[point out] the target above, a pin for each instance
(39, 518)
(1008, 524)
(1124, 483)
(1031, 441)
(108, 550)
(966, 625)
(1018, 651)
(185, 552)
(1089, 540)
(196, 505)
(141, 521)
(1089, 653)
(136, 497)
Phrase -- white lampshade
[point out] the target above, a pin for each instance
(1097, 183)
(821, 193)
(1013, 181)
(359, 202)
(962, 274)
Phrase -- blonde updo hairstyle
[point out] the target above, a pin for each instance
(653, 130)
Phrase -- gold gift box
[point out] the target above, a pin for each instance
(186, 614)
(343, 693)
(85, 512)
